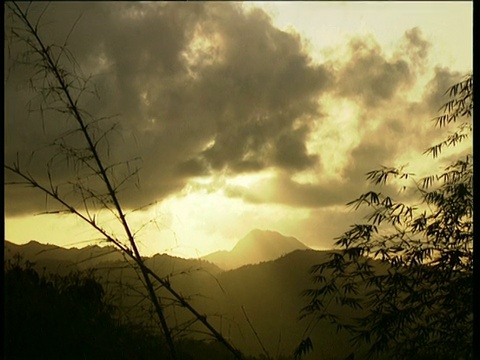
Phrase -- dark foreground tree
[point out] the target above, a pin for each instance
(66, 317)
(70, 317)
(402, 282)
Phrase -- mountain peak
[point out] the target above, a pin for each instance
(268, 240)
(257, 246)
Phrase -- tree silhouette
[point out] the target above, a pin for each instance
(49, 316)
(66, 317)
(402, 282)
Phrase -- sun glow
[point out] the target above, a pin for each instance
(249, 180)
(199, 223)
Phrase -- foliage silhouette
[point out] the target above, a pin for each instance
(406, 274)
(269, 293)
(69, 317)
(66, 317)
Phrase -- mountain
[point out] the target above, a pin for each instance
(62, 260)
(257, 246)
(251, 302)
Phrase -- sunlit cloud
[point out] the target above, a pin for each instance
(244, 115)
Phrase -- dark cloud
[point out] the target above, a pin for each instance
(368, 75)
(198, 87)
(415, 47)
(291, 152)
(207, 88)
(436, 89)
(365, 157)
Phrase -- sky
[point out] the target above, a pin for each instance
(237, 116)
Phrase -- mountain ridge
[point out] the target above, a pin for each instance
(255, 247)
(267, 294)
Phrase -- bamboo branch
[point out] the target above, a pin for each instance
(62, 94)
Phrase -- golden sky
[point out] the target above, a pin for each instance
(262, 115)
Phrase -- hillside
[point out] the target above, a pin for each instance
(266, 296)
(62, 260)
(255, 247)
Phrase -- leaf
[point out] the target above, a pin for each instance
(303, 348)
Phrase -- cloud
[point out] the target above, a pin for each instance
(436, 89)
(415, 47)
(282, 189)
(198, 88)
(212, 89)
(369, 76)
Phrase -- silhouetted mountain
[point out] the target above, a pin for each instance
(57, 259)
(265, 296)
(255, 247)
(62, 260)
